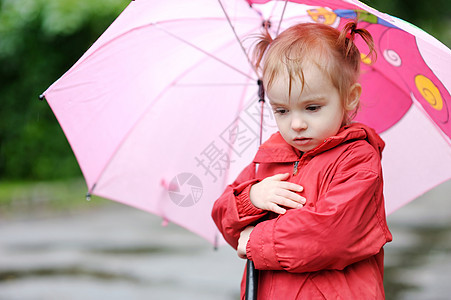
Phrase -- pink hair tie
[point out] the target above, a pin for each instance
(350, 36)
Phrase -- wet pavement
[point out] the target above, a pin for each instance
(116, 252)
(113, 252)
(418, 261)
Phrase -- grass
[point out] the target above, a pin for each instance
(61, 195)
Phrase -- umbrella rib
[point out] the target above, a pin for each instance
(237, 38)
(281, 17)
(202, 50)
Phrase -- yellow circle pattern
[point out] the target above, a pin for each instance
(429, 91)
(365, 59)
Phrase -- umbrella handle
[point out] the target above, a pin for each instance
(251, 281)
(251, 272)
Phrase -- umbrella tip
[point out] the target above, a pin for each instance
(88, 196)
(164, 184)
(164, 222)
(42, 97)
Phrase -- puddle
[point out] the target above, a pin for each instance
(71, 271)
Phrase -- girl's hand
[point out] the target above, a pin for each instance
(242, 241)
(274, 192)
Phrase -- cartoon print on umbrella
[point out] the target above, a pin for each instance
(395, 57)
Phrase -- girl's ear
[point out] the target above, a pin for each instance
(354, 97)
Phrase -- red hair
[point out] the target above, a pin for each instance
(332, 50)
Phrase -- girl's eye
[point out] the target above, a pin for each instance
(313, 108)
(280, 111)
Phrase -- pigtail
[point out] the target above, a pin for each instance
(352, 57)
(346, 40)
(264, 40)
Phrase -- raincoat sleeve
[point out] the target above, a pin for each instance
(233, 211)
(346, 225)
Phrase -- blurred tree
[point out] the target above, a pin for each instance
(434, 17)
(39, 41)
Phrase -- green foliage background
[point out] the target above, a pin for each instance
(41, 39)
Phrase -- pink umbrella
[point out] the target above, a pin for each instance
(162, 111)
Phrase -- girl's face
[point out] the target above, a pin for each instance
(310, 115)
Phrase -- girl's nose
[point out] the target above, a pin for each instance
(297, 123)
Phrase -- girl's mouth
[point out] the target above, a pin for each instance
(301, 141)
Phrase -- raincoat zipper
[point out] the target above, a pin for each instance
(295, 170)
(296, 164)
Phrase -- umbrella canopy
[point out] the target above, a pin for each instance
(162, 111)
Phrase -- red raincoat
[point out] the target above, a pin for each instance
(332, 247)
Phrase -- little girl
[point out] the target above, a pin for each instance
(311, 216)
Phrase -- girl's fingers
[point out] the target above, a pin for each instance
(276, 208)
(292, 196)
(281, 204)
(285, 202)
(275, 194)
(280, 177)
(291, 186)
